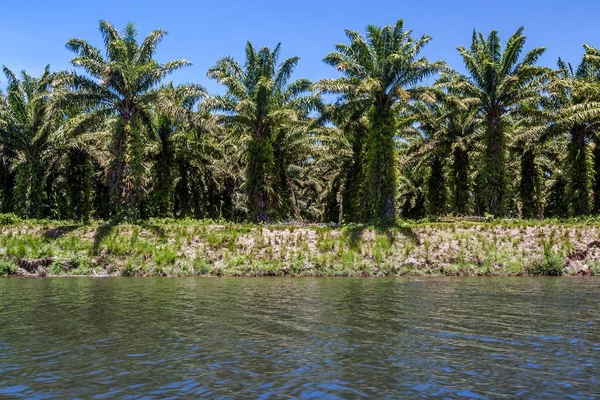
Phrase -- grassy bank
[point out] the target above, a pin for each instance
(195, 248)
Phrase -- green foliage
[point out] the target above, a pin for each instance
(500, 81)
(550, 264)
(530, 186)
(116, 140)
(436, 187)
(9, 219)
(260, 106)
(79, 182)
(32, 129)
(578, 164)
(7, 267)
(381, 74)
(123, 84)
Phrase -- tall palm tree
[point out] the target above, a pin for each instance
(343, 162)
(448, 127)
(575, 97)
(501, 80)
(171, 125)
(261, 103)
(381, 74)
(532, 145)
(30, 129)
(123, 84)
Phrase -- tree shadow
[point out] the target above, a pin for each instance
(155, 229)
(355, 233)
(101, 232)
(59, 231)
(408, 233)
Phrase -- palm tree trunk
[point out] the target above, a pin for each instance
(460, 170)
(116, 171)
(125, 174)
(381, 167)
(351, 195)
(578, 187)
(529, 186)
(7, 183)
(286, 205)
(162, 190)
(557, 205)
(436, 187)
(258, 170)
(494, 173)
(29, 191)
(596, 176)
(182, 198)
(79, 185)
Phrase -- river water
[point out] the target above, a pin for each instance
(300, 338)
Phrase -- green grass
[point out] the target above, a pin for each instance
(209, 248)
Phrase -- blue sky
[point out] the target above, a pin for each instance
(33, 32)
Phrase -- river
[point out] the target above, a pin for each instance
(300, 338)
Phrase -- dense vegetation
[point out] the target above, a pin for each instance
(405, 138)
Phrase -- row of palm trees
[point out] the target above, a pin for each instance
(114, 139)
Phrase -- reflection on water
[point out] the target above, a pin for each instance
(303, 338)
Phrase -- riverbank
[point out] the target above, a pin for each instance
(200, 248)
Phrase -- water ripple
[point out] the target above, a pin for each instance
(299, 338)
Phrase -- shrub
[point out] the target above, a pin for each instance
(9, 219)
(7, 267)
(201, 267)
(550, 264)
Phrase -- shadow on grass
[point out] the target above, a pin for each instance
(59, 231)
(355, 233)
(155, 229)
(101, 232)
(104, 230)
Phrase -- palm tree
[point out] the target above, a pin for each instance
(261, 104)
(123, 84)
(30, 130)
(343, 161)
(171, 126)
(501, 80)
(448, 127)
(381, 74)
(532, 143)
(574, 96)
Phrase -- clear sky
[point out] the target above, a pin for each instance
(33, 32)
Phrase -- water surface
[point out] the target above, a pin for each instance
(300, 338)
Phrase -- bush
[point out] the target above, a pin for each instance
(201, 267)
(128, 270)
(7, 268)
(9, 219)
(550, 264)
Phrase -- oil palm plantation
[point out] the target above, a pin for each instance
(123, 84)
(382, 73)
(30, 131)
(261, 105)
(501, 79)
